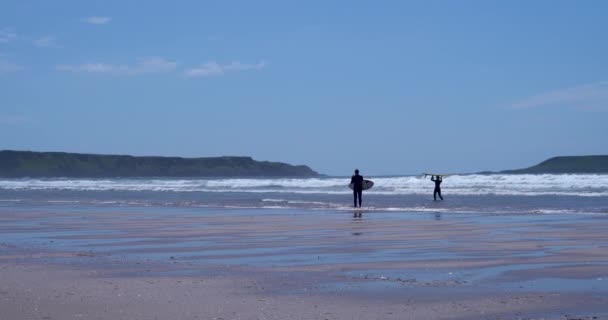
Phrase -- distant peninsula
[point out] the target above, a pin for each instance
(19, 164)
(567, 164)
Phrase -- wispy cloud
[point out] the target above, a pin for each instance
(7, 35)
(586, 96)
(213, 68)
(97, 20)
(207, 69)
(6, 65)
(46, 42)
(151, 65)
(157, 65)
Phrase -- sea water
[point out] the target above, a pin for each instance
(489, 232)
(492, 194)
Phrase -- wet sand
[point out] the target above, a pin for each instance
(171, 263)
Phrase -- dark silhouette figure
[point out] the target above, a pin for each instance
(357, 182)
(437, 191)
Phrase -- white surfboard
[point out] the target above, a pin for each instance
(367, 184)
(436, 174)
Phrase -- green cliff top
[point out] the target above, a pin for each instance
(16, 164)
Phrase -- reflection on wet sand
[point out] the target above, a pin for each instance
(381, 253)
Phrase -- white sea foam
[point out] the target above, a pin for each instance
(528, 185)
(554, 211)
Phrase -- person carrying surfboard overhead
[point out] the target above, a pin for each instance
(437, 191)
(357, 182)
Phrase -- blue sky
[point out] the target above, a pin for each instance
(387, 87)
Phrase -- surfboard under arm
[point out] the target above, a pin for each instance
(367, 184)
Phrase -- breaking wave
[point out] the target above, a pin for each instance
(585, 185)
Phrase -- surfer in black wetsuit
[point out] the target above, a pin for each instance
(357, 182)
(437, 191)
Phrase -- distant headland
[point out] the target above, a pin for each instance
(567, 164)
(17, 164)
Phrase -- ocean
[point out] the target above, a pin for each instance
(488, 194)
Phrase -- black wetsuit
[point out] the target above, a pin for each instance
(437, 190)
(357, 180)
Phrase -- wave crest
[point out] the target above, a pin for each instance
(565, 185)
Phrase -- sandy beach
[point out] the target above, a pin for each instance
(61, 262)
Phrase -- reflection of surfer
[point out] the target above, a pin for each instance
(357, 182)
(437, 191)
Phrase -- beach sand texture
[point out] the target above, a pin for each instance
(170, 263)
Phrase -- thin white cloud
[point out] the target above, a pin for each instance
(213, 68)
(46, 42)
(151, 65)
(6, 65)
(97, 20)
(207, 69)
(587, 96)
(7, 35)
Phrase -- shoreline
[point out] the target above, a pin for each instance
(298, 264)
